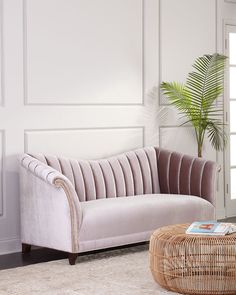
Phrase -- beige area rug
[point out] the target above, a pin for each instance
(123, 272)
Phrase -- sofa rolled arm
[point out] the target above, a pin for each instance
(46, 173)
(183, 174)
(39, 181)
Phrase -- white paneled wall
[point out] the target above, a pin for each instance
(77, 75)
(187, 30)
(80, 78)
(84, 52)
(86, 142)
(182, 139)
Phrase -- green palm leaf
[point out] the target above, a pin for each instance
(196, 99)
(217, 135)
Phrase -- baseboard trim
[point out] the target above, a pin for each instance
(8, 246)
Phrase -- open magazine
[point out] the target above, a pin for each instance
(211, 228)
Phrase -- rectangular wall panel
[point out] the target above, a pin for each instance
(84, 143)
(187, 30)
(182, 140)
(83, 51)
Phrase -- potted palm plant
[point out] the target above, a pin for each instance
(196, 100)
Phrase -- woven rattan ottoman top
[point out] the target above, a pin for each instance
(193, 264)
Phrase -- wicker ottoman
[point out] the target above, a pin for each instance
(193, 264)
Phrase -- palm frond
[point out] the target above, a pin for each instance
(206, 83)
(196, 100)
(217, 135)
(177, 95)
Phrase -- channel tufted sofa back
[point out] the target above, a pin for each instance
(128, 174)
(148, 170)
(186, 175)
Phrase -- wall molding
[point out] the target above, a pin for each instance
(230, 1)
(36, 102)
(26, 143)
(227, 22)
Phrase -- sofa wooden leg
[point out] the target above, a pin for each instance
(72, 258)
(26, 248)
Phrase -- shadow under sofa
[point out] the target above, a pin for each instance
(78, 205)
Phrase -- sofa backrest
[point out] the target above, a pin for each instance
(128, 174)
(186, 175)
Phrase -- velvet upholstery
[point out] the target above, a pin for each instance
(50, 211)
(182, 174)
(132, 173)
(143, 214)
(78, 205)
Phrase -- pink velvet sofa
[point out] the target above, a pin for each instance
(77, 205)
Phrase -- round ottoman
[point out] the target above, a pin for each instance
(193, 264)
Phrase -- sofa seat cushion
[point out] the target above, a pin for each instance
(137, 216)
